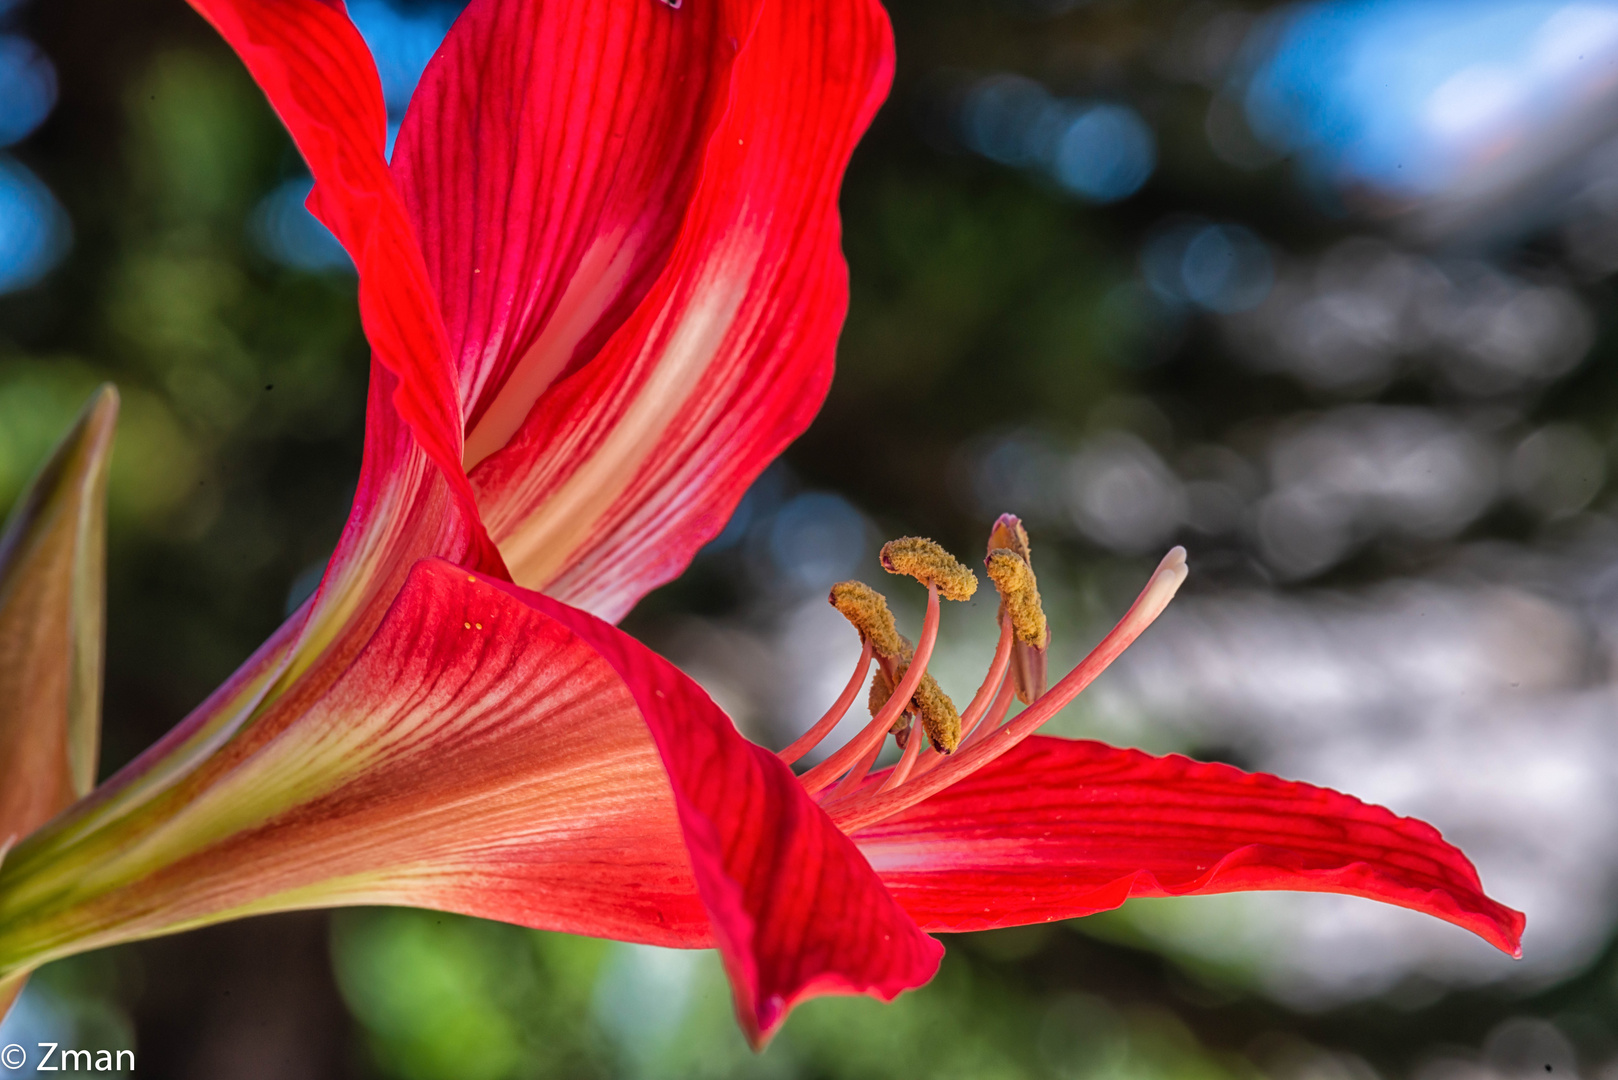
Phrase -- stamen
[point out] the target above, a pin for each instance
(934, 707)
(1027, 660)
(876, 731)
(1019, 592)
(930, 564)
(882, 688)
(938, 716)
(822, 727)
(868, 610)
(1165, 582)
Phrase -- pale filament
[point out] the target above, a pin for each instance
(876, 731)
(991, 740)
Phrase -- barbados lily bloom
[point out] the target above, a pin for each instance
(602, 284)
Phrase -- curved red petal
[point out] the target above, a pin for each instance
(547, 160)
(476, 756)
(1058, 828)
(317, 72)
(796, 910)
(493, 752)
(625, 467)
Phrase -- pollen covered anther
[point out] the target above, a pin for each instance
(1027, 660)
(929, 704)
(868, 610)
(930, 564)
(937, 714)
(881, 690)
(1019, 591)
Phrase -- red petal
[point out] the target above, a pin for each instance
(476, 756)
(796, 911)
(625, 467)
(493, 752)
(317, 72)
(1059, 828)
(547, 160)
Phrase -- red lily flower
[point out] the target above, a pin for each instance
(602, 284)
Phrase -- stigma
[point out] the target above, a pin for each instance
(904, 696)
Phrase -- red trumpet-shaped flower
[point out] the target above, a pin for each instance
(602, 285)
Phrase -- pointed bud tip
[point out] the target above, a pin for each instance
(52, 620)
(104, 397)
(100, 417)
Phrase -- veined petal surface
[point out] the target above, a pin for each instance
(547, 160)
(476, 756)
(624, 466)
(796, 909)
(311, 62)
(1058, 828)
(493, 752)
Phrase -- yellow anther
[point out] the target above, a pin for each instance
(1014, 578)
(938, 716)
(881, 691)
(890, 668)
(929, 702)
(868, 610)
(929, 564)
(1027, 661)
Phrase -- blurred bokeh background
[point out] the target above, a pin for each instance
(1323, 291)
